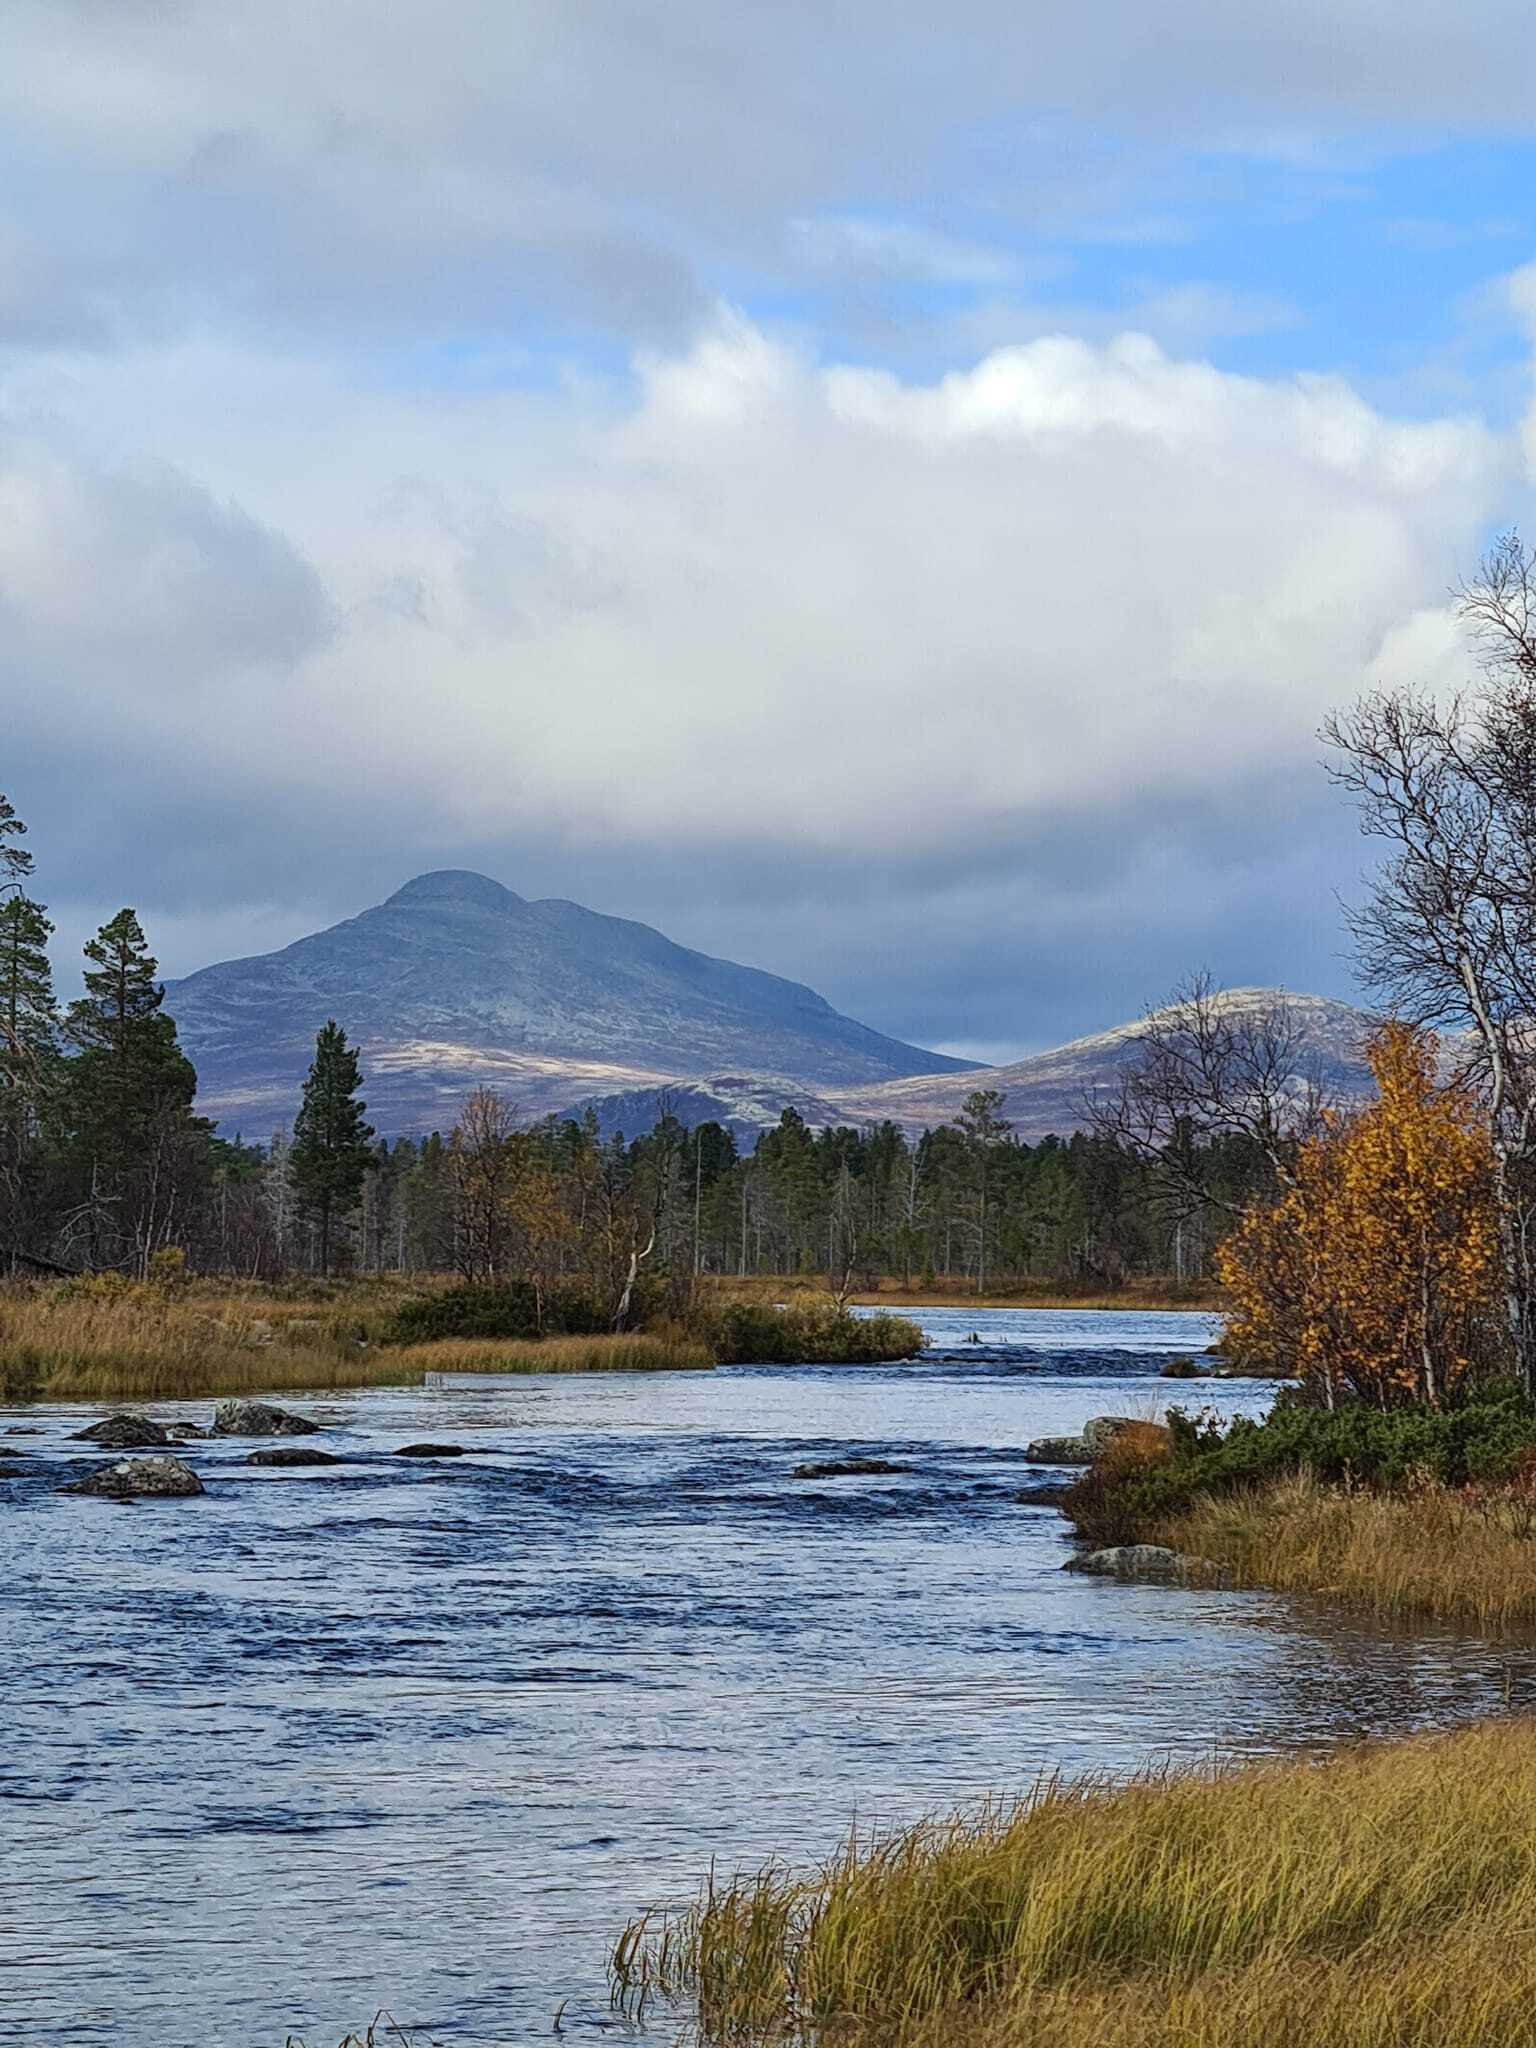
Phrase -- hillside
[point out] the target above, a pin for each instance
(455, 981)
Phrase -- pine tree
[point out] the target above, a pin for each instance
(28, 1055)
(330, 1156)
(28, 1016)
(15, 861)
(128, 1091)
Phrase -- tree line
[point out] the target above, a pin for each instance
(104, 1163)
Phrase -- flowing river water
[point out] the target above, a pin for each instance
(424, 1735)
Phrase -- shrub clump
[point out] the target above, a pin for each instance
(511, 1309)
(1481, 1443)
(815, 1332)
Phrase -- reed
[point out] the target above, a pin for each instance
(1462, 1555)
(86, 1345)
(666, 1350)
(1380, 1899)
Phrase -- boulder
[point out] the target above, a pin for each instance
(139, 1478)
(1184, 1369)
(847, 1468)
(1152, 1563)
(259, 1418)
(1100, 1431)
(122, 1432)
(1041, 1496)
(23, 1429)
(10, 1451)
(1058, 1450)
(430, 1451)
(292, 1454)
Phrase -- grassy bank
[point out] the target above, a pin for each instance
(107, 1341)
(1381, 1899)
(1412, 1514)
(1144, 1291)
(81, 1346)
(644, 1351)
(1431, 1552)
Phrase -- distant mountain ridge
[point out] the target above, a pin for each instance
(1044, 1095)
(1046, 1092)
(456, 981)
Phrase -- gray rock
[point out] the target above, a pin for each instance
(292, 1454)
(1100, 1431)
(847, 1468)
(9, 1451)
(259, 1418)
(1152, 1563)
(139, 1478)
(1041, 1496)
(23, 1429)
(123, 1432)
(430, 1451)
(1059, 1450)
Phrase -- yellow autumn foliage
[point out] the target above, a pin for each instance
(1374, 1274)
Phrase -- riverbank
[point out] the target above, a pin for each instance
(1144, 1291)
(1382, 1898)
(1412, 1514)
(114, 1342)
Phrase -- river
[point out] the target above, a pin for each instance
(424, 1736)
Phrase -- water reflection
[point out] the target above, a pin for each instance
(428, 1735)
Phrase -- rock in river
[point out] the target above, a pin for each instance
(1100, 1431)
(138, 1478)
(1147, 1561)
(1058, 1450)
(259, 1418)
(1041, 1496)
(430, 1451)
(847, 1468)
(292, 1454)
(123, 1432)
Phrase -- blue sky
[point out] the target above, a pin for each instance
(884, 497)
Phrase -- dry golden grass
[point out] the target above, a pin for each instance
(1385, 1898)
(645, 1351)
(1429, 1553)
(119, 1343)
(86, 1345)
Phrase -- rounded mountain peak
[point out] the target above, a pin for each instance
(456, 885)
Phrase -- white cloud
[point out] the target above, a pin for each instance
(768, 599)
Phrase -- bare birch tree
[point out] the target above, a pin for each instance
(1448, 934)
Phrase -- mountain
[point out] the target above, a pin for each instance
(1046, 1092)
(1043, 1094)
(455, 981)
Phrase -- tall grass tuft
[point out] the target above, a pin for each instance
(1463, 1555)
(1381, 1899)
(667, 1350)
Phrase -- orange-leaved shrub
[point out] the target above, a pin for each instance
(1374, 1273)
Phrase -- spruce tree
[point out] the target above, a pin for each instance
(130, 1086)
(330, 1156)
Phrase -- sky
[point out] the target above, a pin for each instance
(882, 493)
